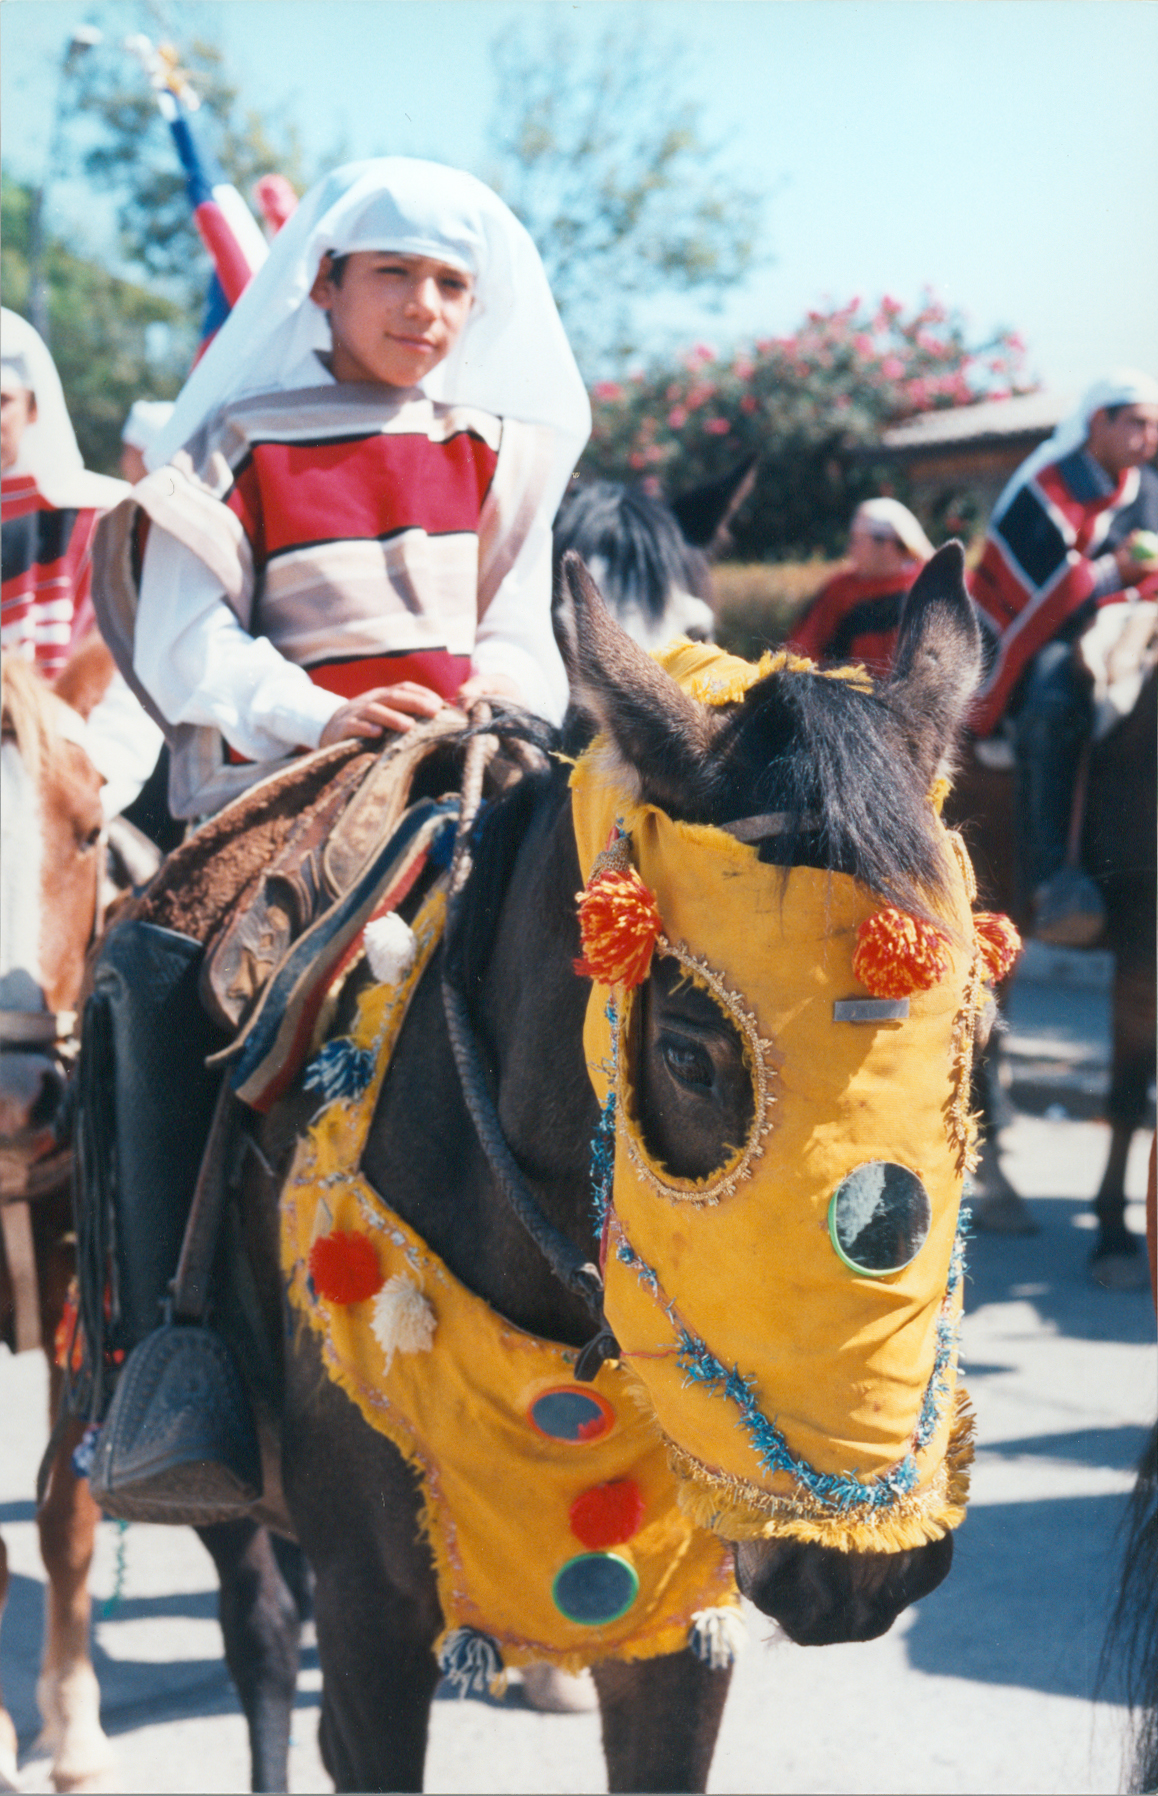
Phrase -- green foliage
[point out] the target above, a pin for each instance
(98, 326)
(608, 169)
(812, 406)
(134, 156)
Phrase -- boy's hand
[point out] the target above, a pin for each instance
(382, 708)
(482, 685)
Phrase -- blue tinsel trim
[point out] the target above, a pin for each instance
(603, 1141)
(341, 1070)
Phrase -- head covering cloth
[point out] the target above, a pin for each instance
(894, 516)
(146, 420)
(49, 451)
(1121, 386)
(512, 357)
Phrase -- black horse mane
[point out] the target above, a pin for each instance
(637, 541)
(838, 761)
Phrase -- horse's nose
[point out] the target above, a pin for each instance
(31, 1090)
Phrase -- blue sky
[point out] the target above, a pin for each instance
(1004, 152)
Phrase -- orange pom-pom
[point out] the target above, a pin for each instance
(618, 926)
(344, 1267)
(897, 954)
(999, 943)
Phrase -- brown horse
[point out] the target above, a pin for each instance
(1118, 850)
(53, 833)
(805, 749)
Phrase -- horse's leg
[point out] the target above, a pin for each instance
(660, 1721)
(67, 1690)
(261, 1626)
(7, 1725)
(355, 1508)
(1118, 1261)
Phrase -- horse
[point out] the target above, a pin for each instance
(651, 559)
(1118, 851)
(53, 838)
(56, 887)
(863, 766)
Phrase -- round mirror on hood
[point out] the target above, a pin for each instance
(879, 1218)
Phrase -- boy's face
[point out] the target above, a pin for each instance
(17, 412)
(394, 317)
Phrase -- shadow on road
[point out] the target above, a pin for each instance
(1051, 1271)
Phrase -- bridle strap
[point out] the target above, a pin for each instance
(566, 1261)
(768, 823)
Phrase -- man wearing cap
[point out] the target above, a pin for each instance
(855, 616)
(1046, 569)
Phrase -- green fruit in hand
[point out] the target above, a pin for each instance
(1145, 546)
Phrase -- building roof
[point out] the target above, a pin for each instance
(992, 421)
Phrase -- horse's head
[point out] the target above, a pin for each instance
(50, 867)
(782, 1265)
(653, 580)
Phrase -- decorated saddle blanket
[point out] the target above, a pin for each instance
(548, 1504)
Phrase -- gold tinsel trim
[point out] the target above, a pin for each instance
(738, 1510)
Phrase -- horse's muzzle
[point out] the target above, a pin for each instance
(821, 1596)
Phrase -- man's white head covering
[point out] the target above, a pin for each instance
(48, 449)
(1121, 386)
(894, 516)
(512, 357)
(146, 420)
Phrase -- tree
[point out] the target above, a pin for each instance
(609, 171)
(100, 331)
(812, 406)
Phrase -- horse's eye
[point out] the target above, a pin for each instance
(91, 838)
(686, 1060)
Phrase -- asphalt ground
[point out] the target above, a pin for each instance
(986, 1686)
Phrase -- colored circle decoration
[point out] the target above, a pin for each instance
(607, 1514)
(595, 1588)
(879, 1218)
(569, 1412)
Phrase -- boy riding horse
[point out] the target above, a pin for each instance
(1048, 565)
(348, 527)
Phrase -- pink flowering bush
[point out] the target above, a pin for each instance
(811, 406)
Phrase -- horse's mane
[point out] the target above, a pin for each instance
(27, 706)
(633, 542)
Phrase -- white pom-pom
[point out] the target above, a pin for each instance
(403, 1321)
(391, 948)
(717, 1637)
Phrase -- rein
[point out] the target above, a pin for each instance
(577, 1274)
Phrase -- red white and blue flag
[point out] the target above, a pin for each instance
(225, 224)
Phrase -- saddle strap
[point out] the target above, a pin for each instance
(190, 1286)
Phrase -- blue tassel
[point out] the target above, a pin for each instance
(470, 1662)
(341, 1070)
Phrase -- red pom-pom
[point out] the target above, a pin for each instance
(344, 1267)
(897, 954)
(999, 943)
(607, 1514)
(618, 926)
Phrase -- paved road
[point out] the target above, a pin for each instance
(985, 1687)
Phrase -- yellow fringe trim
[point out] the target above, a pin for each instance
(737, 1510)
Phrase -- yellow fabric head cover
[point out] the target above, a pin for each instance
(801, 1365)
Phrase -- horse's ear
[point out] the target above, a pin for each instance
(661, 738)
(938, 658)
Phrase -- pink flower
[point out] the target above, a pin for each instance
(701, 392)
(892, 367)
(742, 368)
(699, 355)
(717, 427)
(636, 460)
(749, 403)
(607, 390)
(651, 486)
(890, 307)
(677, 417)
(863, 344)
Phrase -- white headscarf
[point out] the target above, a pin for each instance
(146, 420)
(511, 359)
(1121, 386)
(900, 520)
(48, 450)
